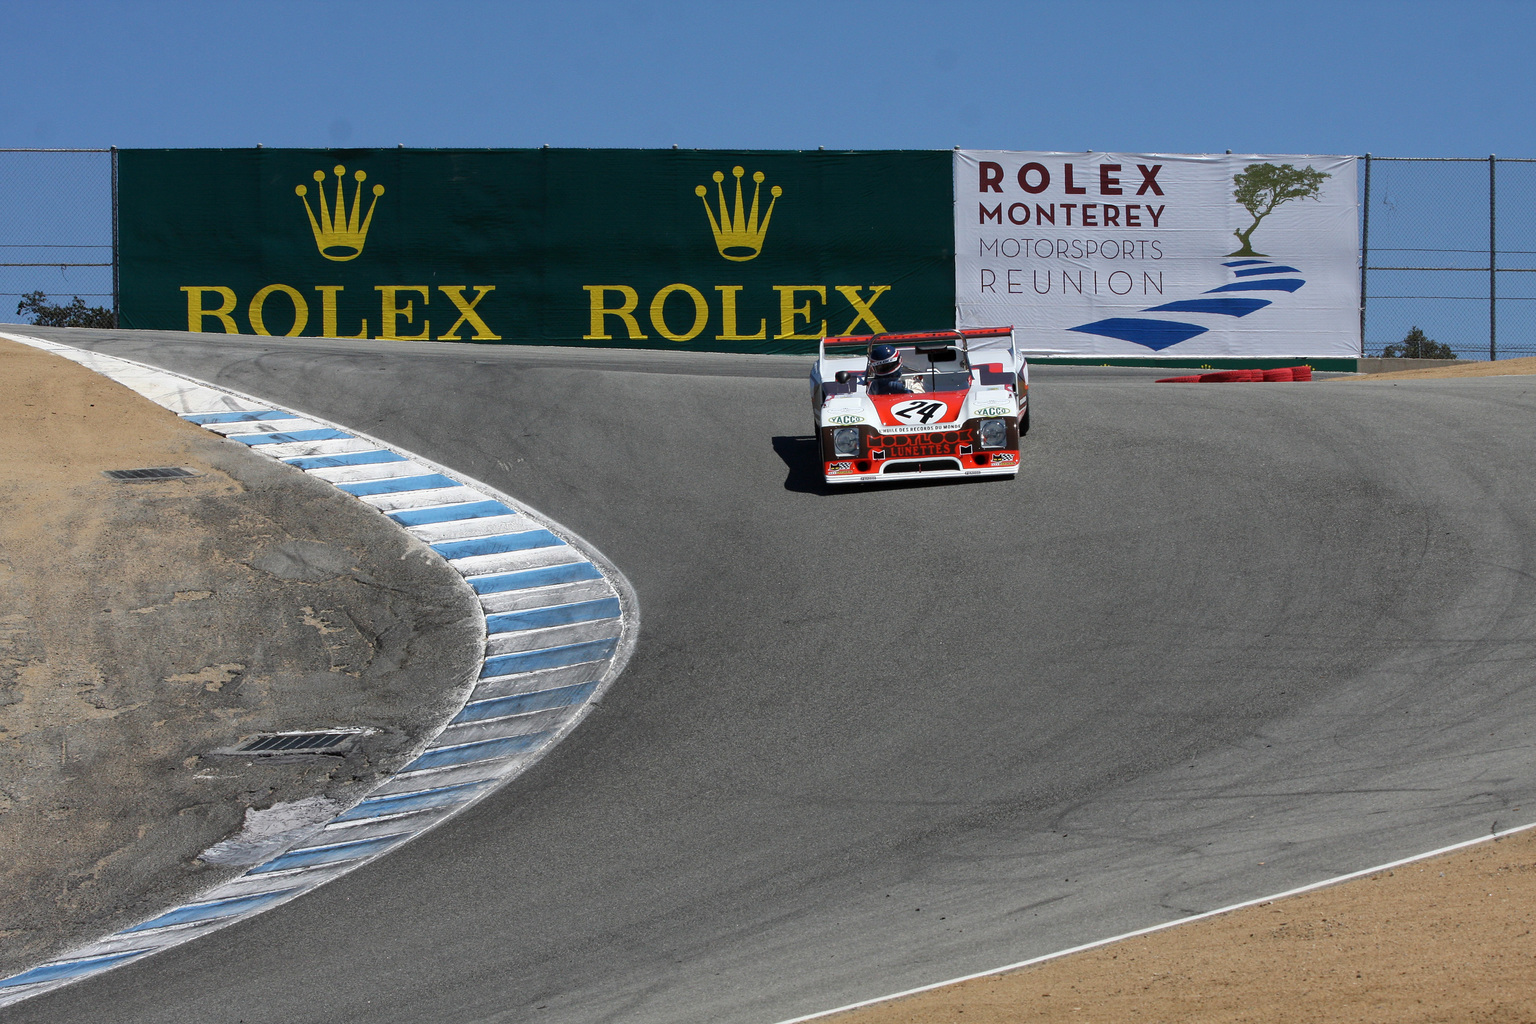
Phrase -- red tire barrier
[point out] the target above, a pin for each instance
(1275, 376)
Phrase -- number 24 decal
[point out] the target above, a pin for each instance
(919, 411)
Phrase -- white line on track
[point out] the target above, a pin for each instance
(1162, 927)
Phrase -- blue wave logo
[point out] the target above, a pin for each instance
(1158, 333)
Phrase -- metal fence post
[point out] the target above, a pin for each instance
(1493, 265)
(116, 263)
(1365, 249)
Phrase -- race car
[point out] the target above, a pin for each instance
(962, 405)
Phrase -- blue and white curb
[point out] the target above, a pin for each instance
(561, 623)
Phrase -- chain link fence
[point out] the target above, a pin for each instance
(56, 226)
(1448, 245)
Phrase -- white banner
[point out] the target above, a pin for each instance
(1127, 254)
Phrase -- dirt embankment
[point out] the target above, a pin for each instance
(144, 625)
(1498, 368)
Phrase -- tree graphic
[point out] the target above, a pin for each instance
(1262, 187)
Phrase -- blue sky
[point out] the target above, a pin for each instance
(1392, 78)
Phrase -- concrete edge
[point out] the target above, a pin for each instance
(550, 693)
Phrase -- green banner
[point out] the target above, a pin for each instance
(694, 249)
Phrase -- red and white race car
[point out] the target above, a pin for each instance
(962, 405)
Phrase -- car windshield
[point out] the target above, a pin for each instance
(919, 371)
(931, 380)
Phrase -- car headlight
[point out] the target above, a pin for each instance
(994, 433)
(845, 441)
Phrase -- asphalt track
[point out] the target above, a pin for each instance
(1214, 642)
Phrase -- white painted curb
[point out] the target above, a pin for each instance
(560, 625)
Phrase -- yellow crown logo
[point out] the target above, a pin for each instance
(739, 237)
(339, 236)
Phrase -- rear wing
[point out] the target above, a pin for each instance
(850, 345)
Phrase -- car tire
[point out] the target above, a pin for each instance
(1024, 423)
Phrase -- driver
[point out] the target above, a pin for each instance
(885, 368)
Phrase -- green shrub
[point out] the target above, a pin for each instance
(1417, 346)
(76, 314)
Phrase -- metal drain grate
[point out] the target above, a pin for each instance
(152, 473)
(334, 742)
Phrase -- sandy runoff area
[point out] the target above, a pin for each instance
(1443, 939)
(145, 626)
(1499, 368)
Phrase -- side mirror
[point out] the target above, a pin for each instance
(841, 376)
